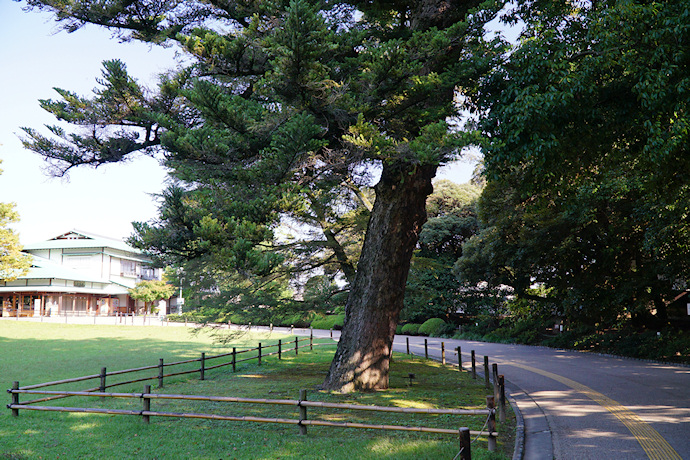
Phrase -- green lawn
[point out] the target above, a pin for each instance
(37, 352)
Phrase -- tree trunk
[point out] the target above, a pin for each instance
(363, 356)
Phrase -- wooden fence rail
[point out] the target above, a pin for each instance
(302, 404)
(202, 360)
(261, 352)
(290, 346)
(490, 373)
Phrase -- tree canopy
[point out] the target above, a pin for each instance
(432, 288)
(283, 117)
(588, 131)
(150, 291)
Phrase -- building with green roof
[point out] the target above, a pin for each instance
(77, 273)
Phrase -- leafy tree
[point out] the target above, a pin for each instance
(150, 291)
(432, 288)
(286, 109)
(13, 262)
(587, 120)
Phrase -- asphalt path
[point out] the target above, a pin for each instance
(579, 405)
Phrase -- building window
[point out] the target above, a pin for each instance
(148, 273)
(78, 262)
(128, 268)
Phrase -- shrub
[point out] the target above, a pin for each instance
(432, 327)
(199, 316)
(302, 319)
(411, 329)
(329, 322)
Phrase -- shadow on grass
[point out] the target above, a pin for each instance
(70, 353)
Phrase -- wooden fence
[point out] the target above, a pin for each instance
(206, 363)
(233, 358)
(490, 372)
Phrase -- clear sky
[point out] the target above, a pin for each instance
(37, 56)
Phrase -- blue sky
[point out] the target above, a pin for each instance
(37, 56)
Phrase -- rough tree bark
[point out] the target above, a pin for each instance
(363, 356)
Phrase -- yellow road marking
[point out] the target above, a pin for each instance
(656, 447)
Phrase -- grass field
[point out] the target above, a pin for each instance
(37, 352)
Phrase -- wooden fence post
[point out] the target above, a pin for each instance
(443, 353)
(426, 349)
(474, 365)
(296, 346)
(15, 399)
(486, 372)
(311, 339)
(302, 412)
(407, 341)
(494, 369)
(501, 399)
(491, 425)
(202, 369)
(146, 403)
(259, 356)
(101, 388)
(160, 372)
(465, 444)
(459, 350)
(234, 358)
(331, 332)
(280, 349)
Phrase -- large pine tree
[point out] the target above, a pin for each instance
(285, 107)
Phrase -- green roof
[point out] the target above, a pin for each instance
(77, 239)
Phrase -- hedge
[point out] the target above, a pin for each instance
(432, 327)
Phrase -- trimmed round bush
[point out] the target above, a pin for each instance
(411, 329)
(432, 327)
(329, 322)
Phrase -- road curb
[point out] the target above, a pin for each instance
(519, 447)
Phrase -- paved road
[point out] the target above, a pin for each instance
(584, 406)
(580, 406)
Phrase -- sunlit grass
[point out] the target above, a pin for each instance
(43, 352)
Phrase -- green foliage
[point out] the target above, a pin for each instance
(202, 316)
(273, 124)
(432, 289)
(329, 322)
(411, 329)
(432, 327)
(668, 344)
(272, 134)
(297, 319)
(450, 198)
(149, 291)
(584, 145)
